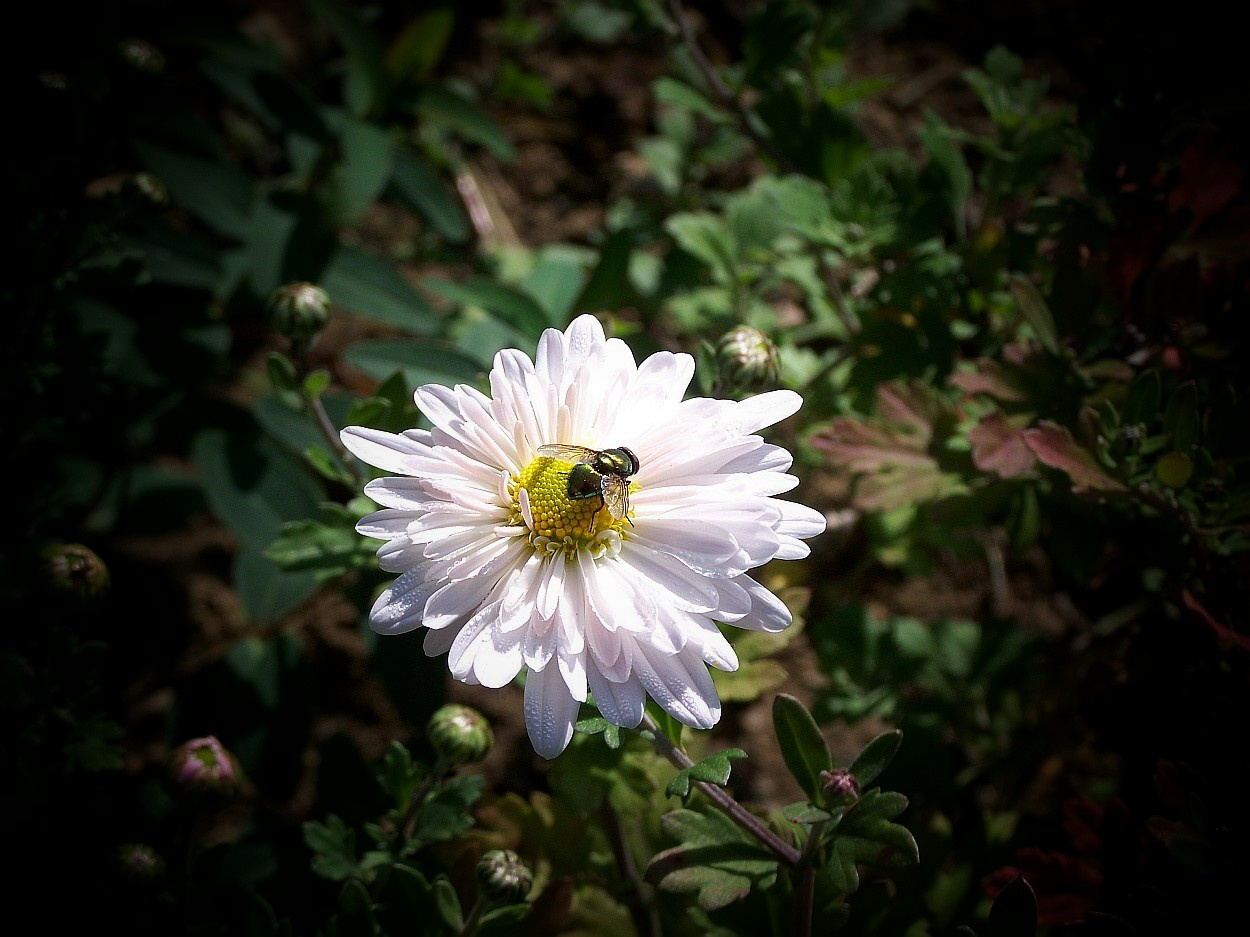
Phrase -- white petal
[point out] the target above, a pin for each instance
(621, 703)
(754, 413)
(549, 712)
(681, 685)
(768, 613)
(400, 606)
(388, 451)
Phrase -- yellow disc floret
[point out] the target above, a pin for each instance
(558, 521)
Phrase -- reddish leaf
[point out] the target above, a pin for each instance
(1066, 888)
(1054, 446)
(998, 446)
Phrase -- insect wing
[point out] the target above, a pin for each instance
(567, 453)
(616, 495)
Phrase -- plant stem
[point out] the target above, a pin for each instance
(722, 799)
(641, 908)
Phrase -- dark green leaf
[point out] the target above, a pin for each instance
(875, 757)
(1014, 911)
(804, 812)
(448, 904)
(464, 118)
(364, 283)
(334, 846)
(366, 80)
(802, 745)
(1032, 306)
(518, 309)
(355, 917)
(420, 362)
(218, 193)
(715, 859)
(420, 187)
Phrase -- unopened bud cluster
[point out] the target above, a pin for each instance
(460, 734)
(204, 768)
(747, 360)
(76, 569)
(503, 877)
(841, 787)
(299, 311)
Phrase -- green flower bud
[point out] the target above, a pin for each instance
(504, 877)
(74, 568)
(139, 862)
(460, 735)
(299, 311)
(746, 360)
(203, 768)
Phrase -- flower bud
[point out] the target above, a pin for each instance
(460, 735)
(504, 877)
(203, 768)
(299, 311)
(141, 55)
(76, 569)
(146, 188)
(746, 360)
(139, 862)
(840, 786)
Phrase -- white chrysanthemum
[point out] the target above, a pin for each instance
(505, 570)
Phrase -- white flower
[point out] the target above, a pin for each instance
(505, 570)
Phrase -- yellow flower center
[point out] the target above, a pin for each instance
(557, 520)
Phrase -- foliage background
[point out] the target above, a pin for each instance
(1044, 245)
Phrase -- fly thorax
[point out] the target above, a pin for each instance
(561, 504)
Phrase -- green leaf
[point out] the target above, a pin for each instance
(357, 177)
(465, 118)
(802, 745)
(1033, 307)
(420, 362)
(668, 90)
(448, 904)
(355, 917)
(716, 859)
(364, 283)
(1014, 911)
(875, 757)
(555, 282)
(804, 811)
(422, 189)
(704, 236)
(334, 846)
(714, 769)
(420, 45)
(517, 308)
(218, 193)
(366, 79)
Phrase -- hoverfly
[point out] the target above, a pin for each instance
(601, 473)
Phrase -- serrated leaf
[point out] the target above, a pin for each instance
(716, 859)
(802, 745)
(1054, 446)
(714, 769)
(334, 846)
(876, 757)
(704, 236)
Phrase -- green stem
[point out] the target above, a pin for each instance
(721, 798)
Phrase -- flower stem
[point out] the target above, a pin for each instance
(723, 800)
